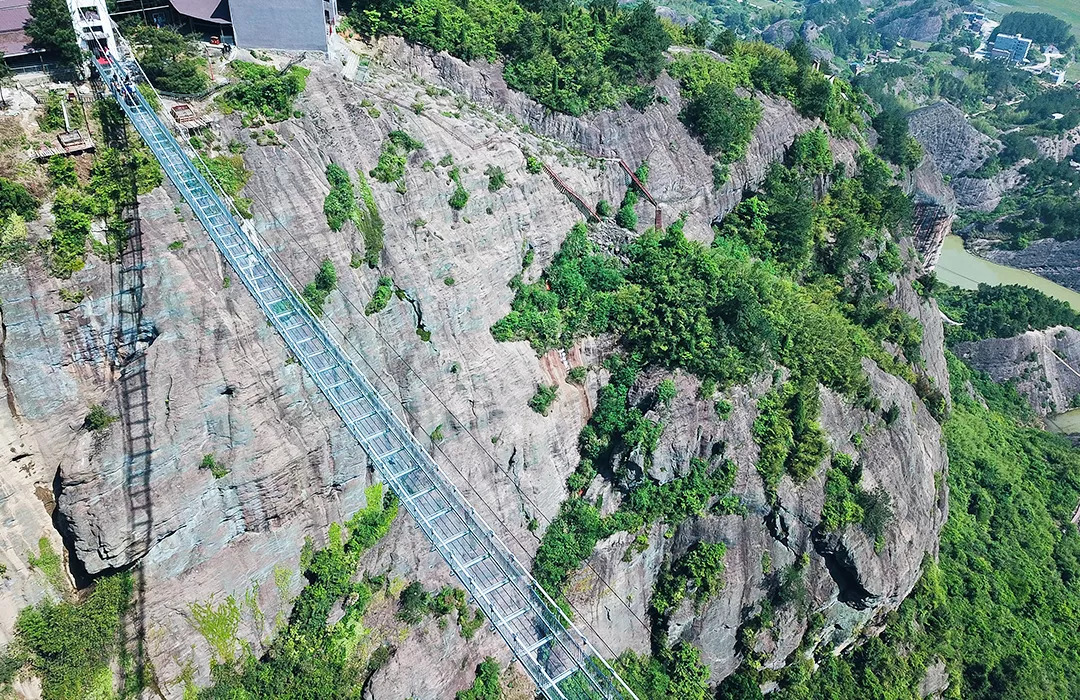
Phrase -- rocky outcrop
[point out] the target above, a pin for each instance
(680, 172)
(218, 381)
(924, 25)
(846, 580)
(984, 194)
(1044, 366)
(952, 143)
(1058, 147)
(1057, 261)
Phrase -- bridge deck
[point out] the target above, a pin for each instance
(556, 656)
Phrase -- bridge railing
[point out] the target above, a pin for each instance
(560, 660)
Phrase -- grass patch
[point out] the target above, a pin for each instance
(69, 646)
(51, 565)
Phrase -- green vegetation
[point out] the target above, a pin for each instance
(16, 199)
(14, 243)
(721, 120)
(787, 431)
(261, 93)
(773, 289)
(700, 571)
(50, 29)
(615, 429)
(1000, 311)
(172, 62)
(228, 171)
(380, 297)
(61, 173)
(674, 673)
(98, 419)
(316, 292)
(310, 658)
(66, 249)
(340, 203)
(846, 502)
(811, 154)
(51, 565)
(1000, 604)
(392, 159)
(895, 144)
(416, 605)
(460, 197)
(571, 58)
(666, 391)
(575, 296)
(217, 469)
(1043, 28)
(486, 686)
(218, 625)
(369, 222)
(543, 398)
(496, 178)
(577, 375)
(69, 646)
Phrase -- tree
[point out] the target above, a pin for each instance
(50, 29)
(638, 44)
(172, 61)
(722, 120)
(895, 144)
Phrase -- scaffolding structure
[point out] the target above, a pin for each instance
(559, 659)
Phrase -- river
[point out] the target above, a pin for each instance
(960, 268)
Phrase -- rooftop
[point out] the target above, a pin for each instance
(14, 14)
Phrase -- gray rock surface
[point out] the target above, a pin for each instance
(954, 145)
(1043, 365)
(1057, 261)
(219, 382)
(1058, 147)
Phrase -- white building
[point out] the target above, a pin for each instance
(93, 28)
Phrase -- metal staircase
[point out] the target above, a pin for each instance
(561, 661)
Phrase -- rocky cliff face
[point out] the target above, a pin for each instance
(954, 145)
(1041, 364)
(218, 381)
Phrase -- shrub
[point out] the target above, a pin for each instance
(666, 392)
(370, 223)
(486, 686)
(533, 165)
(380, 297)
(626, 217)
(217, 469)
(543, 398)
(316, 292)
(14, 198)
(460, 197)
(577, 375)
(340, 203)
(69, 645)
(172, 62)
(391, 165)
(603, 208)
(262, 91)
(98, 419)
(496, 178)
(62, 173)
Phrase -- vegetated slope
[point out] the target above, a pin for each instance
(412, 149)
(726, 314)
(243, 464)
(995, 616)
